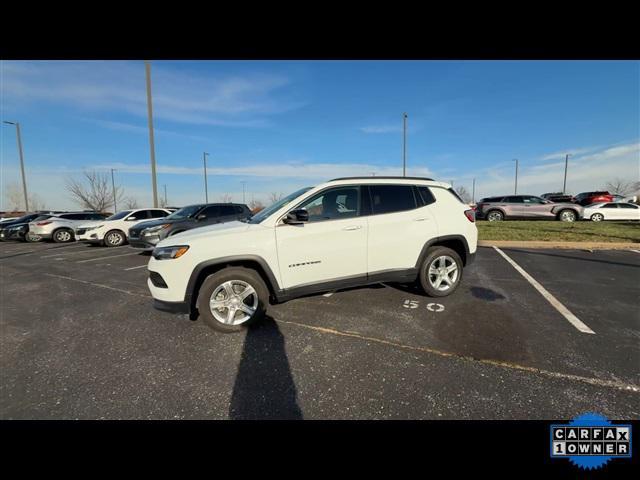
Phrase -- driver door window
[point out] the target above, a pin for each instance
(333, 204)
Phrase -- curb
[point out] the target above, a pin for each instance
(560, 245)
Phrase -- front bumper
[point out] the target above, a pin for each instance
(172, 307)
(88, 237)
(145, 242)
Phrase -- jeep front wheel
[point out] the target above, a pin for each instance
(232, 298)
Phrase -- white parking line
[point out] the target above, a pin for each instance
(637, 251)
(575, 321)
(133, 268)
(104, 258)
(99, 285)
(86, 250)
(328, 294)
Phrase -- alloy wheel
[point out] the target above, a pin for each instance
(233, 302)
(443, 273)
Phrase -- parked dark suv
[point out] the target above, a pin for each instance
(146, 235)
(588, 198)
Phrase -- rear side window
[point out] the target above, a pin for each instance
(514, 200)
(239, 209)
(158, 213)
(392, 198)
(425, 194)
(211, 212)
(626, 205)
(227, 210)
(610, 205)
(74, 216)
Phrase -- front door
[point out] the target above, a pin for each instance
(331, 246)
(536, 208)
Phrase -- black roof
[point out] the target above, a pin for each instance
(376, 177)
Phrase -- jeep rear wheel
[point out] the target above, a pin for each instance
(232, 298)
(440, 272)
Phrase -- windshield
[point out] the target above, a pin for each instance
(262, 214)
(185, 212)
(119, 215)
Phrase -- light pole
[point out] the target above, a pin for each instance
(147, 67)
(113, 186)
(515, 192)
(473, 192)
(243, 184)
(206, 191)
(24, 181)
(566, 165)
(165, 195)
(404, 144)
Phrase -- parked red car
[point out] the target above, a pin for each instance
(587, 198)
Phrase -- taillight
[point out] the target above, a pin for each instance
(471, 215)
(43, 223)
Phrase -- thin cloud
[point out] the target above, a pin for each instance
(381, 129)
(221, 100)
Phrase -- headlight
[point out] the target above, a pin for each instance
(167, 253)
(152, 230)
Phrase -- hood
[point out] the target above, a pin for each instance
(91, 223)
(159, 221)
(209, 232)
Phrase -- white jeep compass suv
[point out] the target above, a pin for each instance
(344, 233)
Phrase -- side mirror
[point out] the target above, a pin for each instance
(202, 216)
(296, 217)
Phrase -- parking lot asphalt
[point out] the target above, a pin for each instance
(80, 339)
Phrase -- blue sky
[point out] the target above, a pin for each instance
(279, 126)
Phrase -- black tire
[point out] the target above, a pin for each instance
(114, 238)
(29, 237)
(433, 254)
(567, 215)
(213, 282)
(494, 216)
(63, 235)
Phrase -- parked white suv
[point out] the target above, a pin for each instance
(60, 227)
(343, 233)
(114, 230)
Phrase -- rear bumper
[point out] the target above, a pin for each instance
(172, 307)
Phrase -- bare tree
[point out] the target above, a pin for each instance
(463, 193)
(226, 198)
(255, 205)
(94, 191)
(14, 196)
(130, 202)
(275, 197)
(619, 186)
(36, 203)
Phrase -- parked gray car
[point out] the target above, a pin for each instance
(526, 207)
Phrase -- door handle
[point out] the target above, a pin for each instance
(353, 227)
(420, 219)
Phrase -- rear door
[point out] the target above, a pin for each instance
(399, 227)
(536, 208)
(628, 211)
(513, 206)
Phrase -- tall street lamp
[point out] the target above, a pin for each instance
(24, 181)
(404, 144)
(165, 195)
(566, 165)
(113, 186)
(515, 192)
(243, 184)
(147, 67)
(206, 191)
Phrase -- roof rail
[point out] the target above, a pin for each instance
(383, 177)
